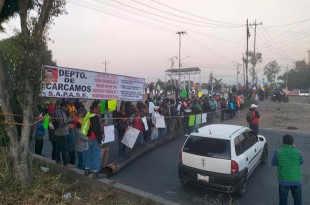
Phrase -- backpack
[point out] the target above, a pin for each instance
(55, 122)
(249, 116)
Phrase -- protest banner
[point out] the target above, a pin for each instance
(64, 82)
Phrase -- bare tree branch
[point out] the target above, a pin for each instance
(43, 18)
(1, 5)
(23, 7)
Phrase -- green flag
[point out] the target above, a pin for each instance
(198, 119)
(191, 121)
(184, 94)
(46, 121)
(102, 111)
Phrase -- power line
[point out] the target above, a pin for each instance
(290, 24)
(119, 16)
(156, 20)
(165, 5)
(276, 44)
(166, 18)
(166, 12)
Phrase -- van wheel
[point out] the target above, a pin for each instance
(264, 157)
(242, 186)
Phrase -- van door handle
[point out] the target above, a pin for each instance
(246, 159)
(255, 150)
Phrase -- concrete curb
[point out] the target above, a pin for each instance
(131, 193)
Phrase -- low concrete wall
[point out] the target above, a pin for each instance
(130, 193)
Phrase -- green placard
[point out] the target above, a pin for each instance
(198, 119)
(46, 121)
(102, 111)
(184, 94)
(191, 121)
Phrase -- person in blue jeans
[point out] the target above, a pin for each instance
(94, 133)
(288, 160)
(81, 146)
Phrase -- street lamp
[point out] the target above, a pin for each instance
(183, 59)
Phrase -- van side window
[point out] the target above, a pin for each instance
(252, 137)
(237, 146)
(244, 142)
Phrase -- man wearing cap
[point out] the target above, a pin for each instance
(253, 124)
(154, 129)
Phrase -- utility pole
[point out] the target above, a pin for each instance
(237, 65)
(254, 56)
(180, 33)
(243, 69)
(247, 52)
(286, 76)
(105, 65)
(237, 75)
(172, 64)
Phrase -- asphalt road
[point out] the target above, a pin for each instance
(157, 173)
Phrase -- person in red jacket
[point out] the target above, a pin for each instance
(253, 124)
(138, 124)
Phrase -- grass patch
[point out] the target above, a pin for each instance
(50, 188)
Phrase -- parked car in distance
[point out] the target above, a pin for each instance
(304, 92)
(221, 157)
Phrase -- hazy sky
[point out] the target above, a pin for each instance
(137, 37)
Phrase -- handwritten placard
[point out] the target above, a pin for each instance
(130, 137)
(109, 133)
(160, 122)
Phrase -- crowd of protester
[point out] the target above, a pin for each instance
(78, 137)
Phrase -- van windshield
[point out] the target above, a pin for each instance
(208, 147)
(304, 91)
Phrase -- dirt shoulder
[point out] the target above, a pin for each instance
(294, 115)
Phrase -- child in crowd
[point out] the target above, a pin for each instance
(39, 134)
(81, 145)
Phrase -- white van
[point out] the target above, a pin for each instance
(304, 92)
(222, 157)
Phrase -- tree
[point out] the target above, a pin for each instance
(298, 77)
(35, 17)
(254, 59)
(217, 85)
(151, 87)
(271, 70)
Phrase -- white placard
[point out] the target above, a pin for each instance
(203, 117)
(151, 107)
(109, 134)
(179, 107)
(64, 82)
(146, 127)
(160, 122)
(130, 137)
